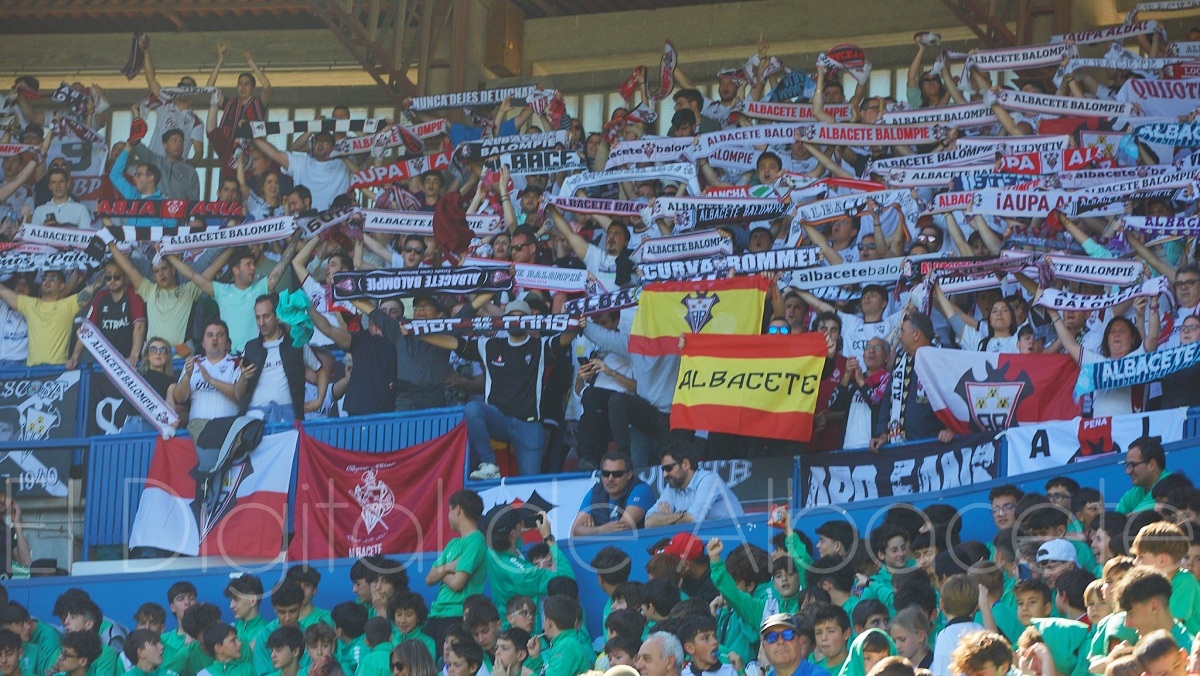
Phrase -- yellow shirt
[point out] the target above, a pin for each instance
(50, 325)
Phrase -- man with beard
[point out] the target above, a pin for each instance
(515, 371)
(611, 265)
(692, 495)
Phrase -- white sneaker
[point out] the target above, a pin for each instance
(487, 470)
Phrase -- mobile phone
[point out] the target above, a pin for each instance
(582, 361)
(1023, 571)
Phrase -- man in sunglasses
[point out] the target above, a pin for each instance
(119, 313)
(692, 495)
(785, 647)
(619, 501)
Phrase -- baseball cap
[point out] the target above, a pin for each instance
(1057, 550)
(779, 620)
(684, 545)
(530, 189)
(517, 306)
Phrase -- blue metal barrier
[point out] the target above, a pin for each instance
(118, 465)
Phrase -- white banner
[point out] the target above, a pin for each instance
(135, 388)
(1057, 444)
(975, 114)
(654, 150)
(688, 245)
(684, 172)
(421, 223)
(257, 232)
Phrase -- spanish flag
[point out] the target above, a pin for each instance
(759, 386)
(668, 310)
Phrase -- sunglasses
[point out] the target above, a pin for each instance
(610, 473)
(110, 278)
(397, 666)
(409, 249)
(779, 329)
(869, 246)
(775, 636)
(667, 467)
(159, 349)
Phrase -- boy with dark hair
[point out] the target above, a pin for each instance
(349, 620)
(570, 651)
(359, 582)
(869, 614)
(889, 543)
(1162, 546)
(151, 616)
(512, 649)
(1004, 615)
(10, 654)
(1004, 505)
(287, 647)
(1144, 594)
(192, 659)
(658, 598)
(80, 650)
(1069, 593)
(835, 575)
(628, 595)
(521, 612)
(287, 600)
(698, 634)
(626, 621)
(15, 618)
(245, 594)
(180, 596)
(85, 615)
(749, 567)
(459, 571)
(753, 604)
(1033, 600)
(144, 650)
(621, 650)
(613, 566)
(320, 643)
(960, 600)
(831, 636)
(465, 658)
(220, 641)
(1158, 655)
(482, 621)
(1047, 521)
(378, 662)
(836, 538)
(408, 612)
(309, 579)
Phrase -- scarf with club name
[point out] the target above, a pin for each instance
(960, 155)
(168, 208)
(311, 226)
(1086, 178)
(421, 223)
(1013, 58)
(137, 391)
(604, 302)
(588, 205)
(1135, 369)
(259, 128)
(934, 177)
(759, 134)
(62, 238)
(483, 148)
(1056, 299)
(381, 284)
(1051, 104)
(790, 112)
(37, 258)
(745, 264)
(1106, 194)
(544, 277)
(859, 73)
(692, 212)
(398, 171)
(1103, 271)
(1163, 226)
(1049, 162)
(653, 149)
(257, 232)
(1009, 145)
(1178, 134)
(687, 245)
(11, 149)
(873, 134)
(486, 325)
(1166, 6)
(683, 172)
(533, 162)
(975, 114)
(395, 136)
(849, 205)
(1114, 34)
(486, 97)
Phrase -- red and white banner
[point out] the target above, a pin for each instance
(977, 114)
(1116, 33)
(1057, 444)
(239, 513)
(1049, 162)
(366, 504)
(790, 112)
(421, 223)
(1050, 104)
(687, 245)
(1020, 203)
(873, 134)
(1009, 145)
(757, 135)
(589, 205)
(399, 171)
(985, 392)
(257, 232)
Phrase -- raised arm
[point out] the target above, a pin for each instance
(377, 248)
(203, 281)
(9, 296)
(822, 242)
(442, 340)
(1163, 268)
(818, 99)
(274, 154)
(222, 51)
(951, 310)
(815, 302)
(148, 68)
(578, 244)
(281, 266)
(127, 266)
(22, 176)
(300, 262)
(990, 240)
(1065, 337)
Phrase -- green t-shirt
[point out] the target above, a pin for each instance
(350, 654)
(237, 309)
(107, 664)
(234, 668)
(317, 615)
(511, 574)
(135, 671)
(1138, 499)
(378, 662)
(249, 632)
(417, 635)
(1185, 600)
(469, 553)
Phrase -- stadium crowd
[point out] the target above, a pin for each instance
(779, 161)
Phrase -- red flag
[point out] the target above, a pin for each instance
(362, 504)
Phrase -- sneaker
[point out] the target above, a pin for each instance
(487, 470)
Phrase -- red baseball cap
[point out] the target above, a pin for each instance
(684, 545)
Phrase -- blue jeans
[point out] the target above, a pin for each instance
(485, 422)
(272, 413)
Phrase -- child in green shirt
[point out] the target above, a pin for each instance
(287, 646)
(349, 620)
(831, 628)
(80, 650)
(10, 654)
(222, 643)
(320, 642)
(408, 613)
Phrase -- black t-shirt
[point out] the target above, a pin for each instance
(516, 374)
(371, 381)
(115, 320)
(159, 381)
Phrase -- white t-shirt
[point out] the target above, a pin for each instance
(169, 117)
(603, 266)
(67, 214)
(272, 385)
(326, 180)
(1118, 401)
(320, 300)
(207, 402)
(856, 332)
(970, 338)
(14, 335)
(259, 210)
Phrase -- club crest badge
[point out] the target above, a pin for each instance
(699, 309)
(375, 498)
